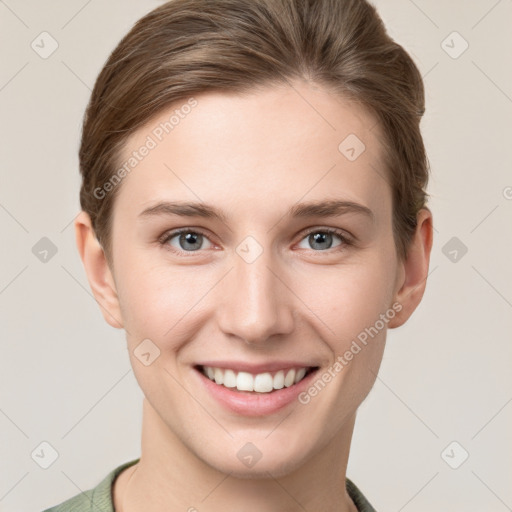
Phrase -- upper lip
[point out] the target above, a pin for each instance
(271, 366)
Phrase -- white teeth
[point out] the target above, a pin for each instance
(244, 381)
(229, 379)
(263, 383)
(260, 383)
(219, 376)
(279, 380)
(290, 378)
(300, 375)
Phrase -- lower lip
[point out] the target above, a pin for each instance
(254, 404)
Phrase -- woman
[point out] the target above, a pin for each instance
(281, 138)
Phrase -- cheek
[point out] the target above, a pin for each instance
(350, 301)
(349, 298)
(158, 302)
(163, 302)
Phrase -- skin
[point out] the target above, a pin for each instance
(253, 156)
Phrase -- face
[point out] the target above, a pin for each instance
(249, 241)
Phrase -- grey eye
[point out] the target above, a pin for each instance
(320, 240)
(188, 241)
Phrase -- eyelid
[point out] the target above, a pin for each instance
(346, 238)
(163, 239)
(322, 229)
(173, 232)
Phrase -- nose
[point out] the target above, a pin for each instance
(255, 301)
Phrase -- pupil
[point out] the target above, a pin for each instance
(189, 238)
(319, 238)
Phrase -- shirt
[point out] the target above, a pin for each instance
(100, 499)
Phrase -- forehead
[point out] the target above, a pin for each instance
(276, 143)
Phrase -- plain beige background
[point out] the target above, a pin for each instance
(445, 387)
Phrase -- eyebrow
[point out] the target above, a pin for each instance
(327, 208)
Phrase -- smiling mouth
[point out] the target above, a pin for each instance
(266, 382)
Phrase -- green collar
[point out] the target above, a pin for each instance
(99, 499)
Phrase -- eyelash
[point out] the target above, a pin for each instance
(345, 240)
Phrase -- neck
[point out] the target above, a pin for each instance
(170, 477)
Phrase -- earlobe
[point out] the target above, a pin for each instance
(98, 271)
(413, 278)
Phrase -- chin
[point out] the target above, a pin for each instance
(273, 464)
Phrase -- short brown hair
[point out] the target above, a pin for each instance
(185, 47)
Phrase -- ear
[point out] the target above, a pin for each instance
(414, 272)
(98, 272)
